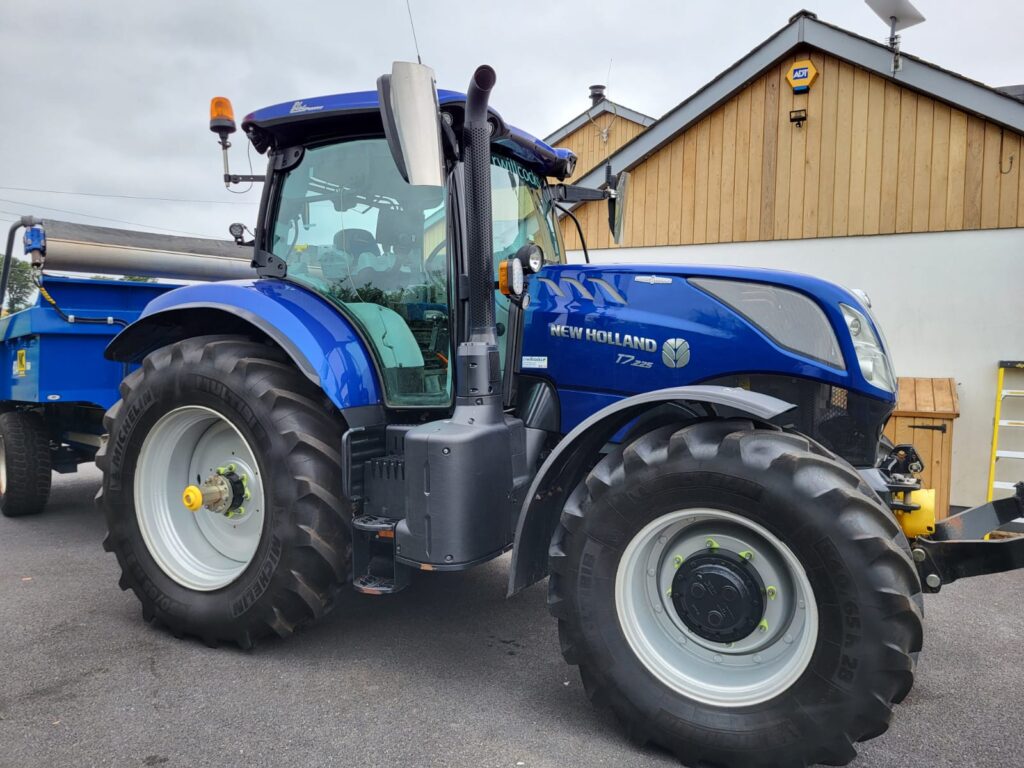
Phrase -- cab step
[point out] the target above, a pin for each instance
(368, 584)
(374, 568)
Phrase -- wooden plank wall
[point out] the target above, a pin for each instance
(872, 158)
(586, 141)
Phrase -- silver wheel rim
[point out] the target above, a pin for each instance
(200, 550)
(755, 669)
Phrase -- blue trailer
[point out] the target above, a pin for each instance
(56, 383)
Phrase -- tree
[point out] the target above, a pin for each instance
(20, 288)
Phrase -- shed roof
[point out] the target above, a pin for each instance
(806, 31)
(605, 106)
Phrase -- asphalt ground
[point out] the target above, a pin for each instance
(448, 673)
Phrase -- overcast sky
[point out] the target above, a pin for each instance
(112, 96)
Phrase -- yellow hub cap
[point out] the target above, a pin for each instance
(192, 498)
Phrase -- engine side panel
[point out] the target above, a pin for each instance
(600, 333)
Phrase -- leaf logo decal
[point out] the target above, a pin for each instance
(675, 353)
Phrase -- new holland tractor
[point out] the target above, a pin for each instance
(415, 380)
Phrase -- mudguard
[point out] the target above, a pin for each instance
(316, 336)
(563, 469)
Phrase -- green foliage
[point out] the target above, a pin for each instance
(20, 288)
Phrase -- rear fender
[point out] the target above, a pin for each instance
(573, 456)
(322, 343)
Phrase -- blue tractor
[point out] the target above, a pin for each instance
(415, 380)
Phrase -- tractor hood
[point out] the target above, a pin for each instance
(615, 330)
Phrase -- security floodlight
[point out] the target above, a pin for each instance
(899, 15)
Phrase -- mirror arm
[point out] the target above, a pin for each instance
(230, 178)
(572, 193)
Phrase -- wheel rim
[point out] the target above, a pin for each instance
(754, 668)
(202, 550)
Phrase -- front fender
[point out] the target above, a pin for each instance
(564, 467)
(320, 340)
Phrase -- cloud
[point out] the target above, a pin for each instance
(113, 96)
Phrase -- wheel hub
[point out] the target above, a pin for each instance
(719, 596)
(223, 493)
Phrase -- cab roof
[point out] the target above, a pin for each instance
(295, 122)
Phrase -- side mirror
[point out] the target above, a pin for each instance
(617, 205)
(411, 116)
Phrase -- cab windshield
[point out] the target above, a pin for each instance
(349, 227)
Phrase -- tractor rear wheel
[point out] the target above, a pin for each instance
(736, 595)
(25, 466)
(222, 491)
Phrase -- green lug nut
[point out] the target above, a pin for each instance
(711, 544)
(677, 561)
(746, 554)
(231, 467)
(222, 470)
(247, 495)
(763, 626)
(772, 592)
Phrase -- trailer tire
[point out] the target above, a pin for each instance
(293, 433)
(25, 465)
(853, 556)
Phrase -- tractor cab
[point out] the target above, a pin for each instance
(339, 218)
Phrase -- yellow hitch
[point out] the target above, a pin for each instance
(920, 522)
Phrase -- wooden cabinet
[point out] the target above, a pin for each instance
(925, 410)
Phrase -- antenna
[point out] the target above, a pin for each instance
(899, 15)
(413, 25)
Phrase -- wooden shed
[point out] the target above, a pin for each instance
(924, 416)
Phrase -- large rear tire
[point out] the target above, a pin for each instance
(25, 466)
(211, 405)
(823, 573)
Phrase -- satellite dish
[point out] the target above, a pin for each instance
(898, 14)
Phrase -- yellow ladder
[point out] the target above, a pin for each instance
(999, 424)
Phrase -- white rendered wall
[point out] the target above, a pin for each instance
(951, 305)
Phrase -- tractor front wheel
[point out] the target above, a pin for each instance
(222, 491)
(736, 595)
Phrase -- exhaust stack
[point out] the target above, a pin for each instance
(476, 134)
(478, 369)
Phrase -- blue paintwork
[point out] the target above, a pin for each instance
(530, 150)
(721, 341)
(306, 324)
(64, 361)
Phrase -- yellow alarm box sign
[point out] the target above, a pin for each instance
(801, 75)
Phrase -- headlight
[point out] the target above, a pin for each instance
(787, 317)
(874, 364)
